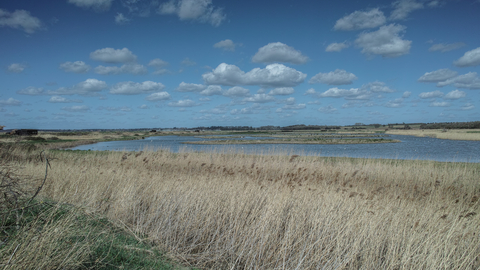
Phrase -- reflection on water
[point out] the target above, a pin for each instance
(410, 147)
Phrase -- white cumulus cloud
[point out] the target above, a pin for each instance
(226, 45)
(237, 91)
(75, 67)
(89, 87)
(406, 94)
(377, 87)
(469, 59)
(188, 62)
(183, 103)
(361, 20)
(353, 93)
(294, 107)
(386, 41)
(310, 91)
(133, 88)
(433, 94)
(337, 77)
(16, 68)
(468, 106)
(439, 104)
(396, 103)
(111, 55)
(190, 87)
(279, 52)
(455, 94)
(468, 81)
(10, 102)
(156, 97)
(135, 69)
(97, 5)
(196, 10)
(59, 99)
(158, 63)
(446, 47)
(290, 101)
(404, 7)
(260, 98)
(81, 108)
(31, 91)
(438, 75)
(327, 109)
(273, 75)
(282, 91)
(121, 19)
(212, 90)
(20, 19)
(336, 47)
(161, 71)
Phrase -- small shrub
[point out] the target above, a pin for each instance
(38, 139)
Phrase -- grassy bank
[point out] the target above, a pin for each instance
(63, 140)
(451, 134)
(295, 141)
(39, 233)
(237, 211)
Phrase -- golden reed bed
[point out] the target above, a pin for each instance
(230, 210)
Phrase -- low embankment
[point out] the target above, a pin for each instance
(237, 211)
(451, 134)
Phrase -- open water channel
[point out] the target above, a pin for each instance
(410, 147)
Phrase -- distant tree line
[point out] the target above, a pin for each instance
(225, 128)
(309, 127)
(451, 125)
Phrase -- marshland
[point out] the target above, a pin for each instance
(234, 210)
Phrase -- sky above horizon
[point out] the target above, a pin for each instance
(80, 64)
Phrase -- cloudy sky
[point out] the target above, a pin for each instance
(75, 64)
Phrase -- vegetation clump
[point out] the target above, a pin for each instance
(38, 233)
(231, 210)
(452, 125)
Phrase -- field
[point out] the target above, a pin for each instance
(230, 210)
(452, 134)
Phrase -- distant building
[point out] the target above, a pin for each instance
(22, 132)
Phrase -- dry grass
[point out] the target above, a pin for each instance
(64, 140)
(44, 234)
(236, 211)
(48, 243)
(451, 134)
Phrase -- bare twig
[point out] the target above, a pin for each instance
(47, 164)
(12, 255)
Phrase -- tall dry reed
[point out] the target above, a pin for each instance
(231, 210)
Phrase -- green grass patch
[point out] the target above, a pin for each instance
(46, 141)
(64, 231)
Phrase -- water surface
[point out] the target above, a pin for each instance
(410, 147)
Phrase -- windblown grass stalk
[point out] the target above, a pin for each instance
(230, 210)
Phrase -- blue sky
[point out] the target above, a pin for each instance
(77, 64)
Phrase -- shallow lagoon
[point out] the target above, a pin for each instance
(410, 147)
